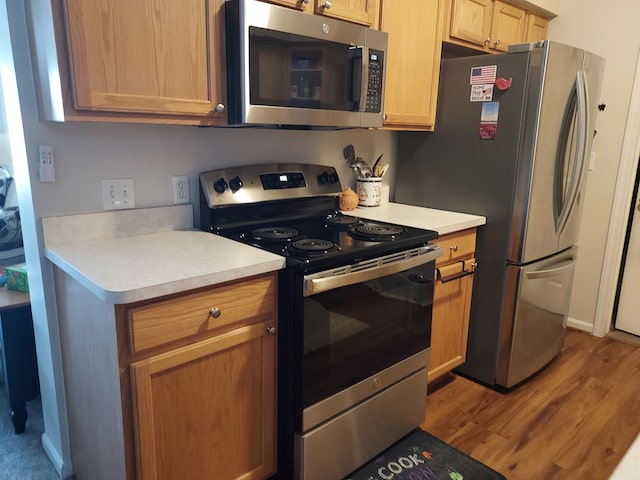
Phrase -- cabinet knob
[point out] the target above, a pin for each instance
(215, 312)
(219, 108)
(384, 117)
(487, 40)
(453, 248)
(327, 5)
(304, 1)
(271, 330)
(496, 43)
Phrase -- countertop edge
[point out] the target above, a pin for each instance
(225, 261)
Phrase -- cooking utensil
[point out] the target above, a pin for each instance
(349, 153)
(383, 170)
(350, 157)
(364, 170)
(376, 173)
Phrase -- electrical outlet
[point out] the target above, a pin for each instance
(118, 194)
(180, 189)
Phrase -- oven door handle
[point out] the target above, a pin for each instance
(323, 281)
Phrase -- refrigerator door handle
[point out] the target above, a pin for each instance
(580, 164)
(551, 272)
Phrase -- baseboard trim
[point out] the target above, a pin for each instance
(579, 325)
(64, 469)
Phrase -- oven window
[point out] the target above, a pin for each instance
(353, 332)
(294, 71)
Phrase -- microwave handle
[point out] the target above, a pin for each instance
(360, 76)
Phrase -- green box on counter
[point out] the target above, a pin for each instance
(17, 277)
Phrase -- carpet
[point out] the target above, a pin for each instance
(21, 456)
(421, 456)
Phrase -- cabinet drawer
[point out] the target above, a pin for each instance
(169, 320)
(456, 246)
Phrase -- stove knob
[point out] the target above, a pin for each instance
(235, 184)
(324, 178)
(220, 186)
(334, 177)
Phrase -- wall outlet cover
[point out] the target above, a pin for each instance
(118, 194)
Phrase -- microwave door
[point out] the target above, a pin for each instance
(359, 68)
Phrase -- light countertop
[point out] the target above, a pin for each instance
(132, 255)
(441, 221)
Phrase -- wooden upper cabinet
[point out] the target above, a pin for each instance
(364, 12)
(487, 25)
(158, 57)
(536, 28)
(471, 21)
(413, 62)
(304, 5)
(508, 26)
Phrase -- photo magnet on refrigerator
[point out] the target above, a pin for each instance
(489, 120)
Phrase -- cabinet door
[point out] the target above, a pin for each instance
(297, 4)
(207, 410)
(508, 26)
(146, 56)
(536, 28)
(364, 12)
(411, 86)
(471, 21)
(450, 319)
(452, 302)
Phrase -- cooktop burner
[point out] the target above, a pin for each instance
(378, 232)
(313, 246)
(342, 220)
(274, 233)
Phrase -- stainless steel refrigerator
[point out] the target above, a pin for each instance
(512, 142)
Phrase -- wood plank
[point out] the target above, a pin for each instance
(575, 419)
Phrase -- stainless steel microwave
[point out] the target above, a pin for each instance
(289, 68)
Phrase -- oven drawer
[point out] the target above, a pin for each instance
(169, 320)
(457, 246)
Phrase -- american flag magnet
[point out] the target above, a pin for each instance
(483, 75)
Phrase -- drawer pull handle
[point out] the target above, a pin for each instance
(453, 248)
(215, 312)
(271, 330)
(458, 275)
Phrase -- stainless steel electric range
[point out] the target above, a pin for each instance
(355, 303)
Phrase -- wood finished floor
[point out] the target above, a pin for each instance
(574, 420)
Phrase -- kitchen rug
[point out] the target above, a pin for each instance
(421, 456)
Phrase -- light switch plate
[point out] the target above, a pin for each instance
(118, 194)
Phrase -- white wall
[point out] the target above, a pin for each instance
(612, 33)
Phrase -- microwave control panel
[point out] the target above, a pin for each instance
(374, 85)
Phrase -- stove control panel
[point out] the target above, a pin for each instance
(259, 183)
(271, 181)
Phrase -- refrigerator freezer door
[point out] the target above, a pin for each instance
(535, 316)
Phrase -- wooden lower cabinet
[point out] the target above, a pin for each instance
(206, 410)
(452, 302)
(203, 402)
(175, 387)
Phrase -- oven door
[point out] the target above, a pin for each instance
(364, 328)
